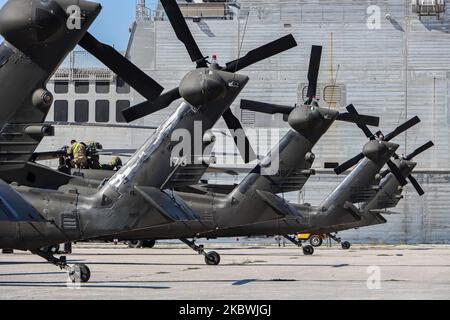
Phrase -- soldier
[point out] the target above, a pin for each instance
(93, 157)
(65, 163)
(77, 152)
(114, 164)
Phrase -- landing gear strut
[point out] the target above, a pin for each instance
(307, 250)
(344, 244)
(212, 258)
(77, 272)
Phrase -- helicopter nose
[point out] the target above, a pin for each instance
(31, 22)
(89, 8)
(377, 150)
(301, 119)
(25, 23)
(201, 86)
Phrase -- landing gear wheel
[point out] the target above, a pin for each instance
(316, 241)
(345, 245)
(212, 258)
(135, 244)
(148, 243)
(308, 250)
(79, 273)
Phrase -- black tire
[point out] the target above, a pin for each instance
(315, 241)
(135, 244)
(345, 245)
(148, 243)
(308, 250)
(212, 258)
(80, 273)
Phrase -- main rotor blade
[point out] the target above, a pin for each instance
(45, 155)
(419, 150)
(313, 71)
(352, 110)
(396, 172)
(182, 31)
(121, 66)
(116, 152)
(384, 173)
(402, 128)
(233, 123)
(348, 164)
(362, 119)
(265, 107)
(262, 53)
(147, 107)
(416, 185)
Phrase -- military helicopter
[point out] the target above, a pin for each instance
(134, 197)
(386, 191)
(381, 196)
(37, 40)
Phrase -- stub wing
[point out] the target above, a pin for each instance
(13, 207)
(185, 176)
(168, 204)
(281, 207)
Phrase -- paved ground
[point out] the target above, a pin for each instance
(246, 272)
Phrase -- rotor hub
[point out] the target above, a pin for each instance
(305, 118)
(201, 86)
(377, 151)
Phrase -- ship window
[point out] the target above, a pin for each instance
(248, 117)
(429, 8)
(81, 111)
(332, 94)
(61, 86)
(121, 105)
(81, 87)
(102, 87)
(102, 111)
(122, 86)
(305, 93)
(61, 113)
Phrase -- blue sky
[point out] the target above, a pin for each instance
(114, 21)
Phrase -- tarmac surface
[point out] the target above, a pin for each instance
(247, 272)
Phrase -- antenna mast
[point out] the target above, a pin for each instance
(140, 10)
